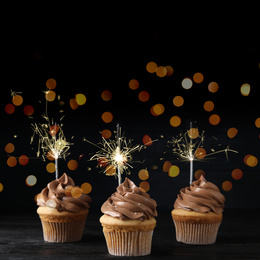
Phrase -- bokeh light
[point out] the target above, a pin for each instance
(54, 129)
(106, 95)
(9, 148)
(175, 121)
(237, 174)
(161, 71)
(214, 119)
(133, 84)
(213, 87)
(169, 70)
(106, 133)
(208, 106)
(147, 140)
(143, 96)
(73, 104)
(166, 166)
(143, 174)
(110, 170)
(23, 160)
(1, 187)
(50, 167)
(11, 161)
(257, 122)
(245, 89)
(174, 171)
(76, 192)
(50, 95)
(86, 187)
(28, 110)
(198, 77)
(51, 83)
(31, 180)
(107, 117)
(68, 189)
(9, 109)
(186, 83)
(50, 156)
(51, 204)
(145, 186)
(151, 67)
(193, 133)
(250, 160)
(157, 109)
(102, 162)
(80, 99)
(72, 165)
(227, 186)
(200, 153)
(232, 132)
(198, 173)
(178, 101)
(17, 100)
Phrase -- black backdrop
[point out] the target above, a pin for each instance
(88, 55)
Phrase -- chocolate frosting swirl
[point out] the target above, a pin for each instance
(201, 196)
(55, 190)
(130, 202)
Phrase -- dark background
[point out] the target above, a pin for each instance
(94, 51)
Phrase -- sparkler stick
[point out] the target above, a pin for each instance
(191, 157)
(118, 134)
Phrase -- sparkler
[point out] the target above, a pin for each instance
(187, 150)
(52, 141)
(116, 155)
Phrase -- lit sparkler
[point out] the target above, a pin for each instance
(52, 141)
(187, 150)
(115, 155)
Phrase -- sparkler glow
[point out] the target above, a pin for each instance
(187, 150)
(116, 155)
(52, 141)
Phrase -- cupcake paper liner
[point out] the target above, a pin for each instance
(62, 232)
(132, 243)
(196, 233)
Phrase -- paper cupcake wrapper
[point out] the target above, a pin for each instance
(196, 234)
(62, 232)
(132, 243)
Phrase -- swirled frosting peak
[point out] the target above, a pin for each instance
(201, 196)
(130, 202)
(58, 194)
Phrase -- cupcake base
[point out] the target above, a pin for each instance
(196, 228)
(61, 227)
(128, 237)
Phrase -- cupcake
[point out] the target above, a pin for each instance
(197, 213)
(128, 221)
(63, 210)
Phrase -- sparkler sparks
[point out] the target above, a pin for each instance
(52, 141)
(115, 155)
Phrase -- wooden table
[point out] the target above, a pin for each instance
(238, 238)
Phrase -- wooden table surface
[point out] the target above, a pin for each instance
(238, 238)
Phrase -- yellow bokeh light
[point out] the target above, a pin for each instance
(133, 84)
(151, 67)
(143, 96)
(51, 83)
(9, 109)
(1, 187)
(193, 133)
(86, 187)
(257, 122)
(161, 71)
(245, 89)
(9, 148)
(73, 104)
(23, 160)
(28, 110)
(232, 132)
(198, 173)
(106, 133)
(158, 109)
(214, 119)
(166, 166)
(198, 77)
(106, 95)
(237, 174)
(68, 190)
(11, 161)
(107, 117)
(186, 83)
(178, 101)
(110, 170)
(76, 192)
(145, 186)
(80, 99)
(213, 87)
(17, 100)
(72, 165)
(50, 167)
(200, 153)
(143, 174)
(175, 121)
(50, 95)
(208, 106)
(251, 161)
(227, 186)
(174, 171)
(31, 180)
